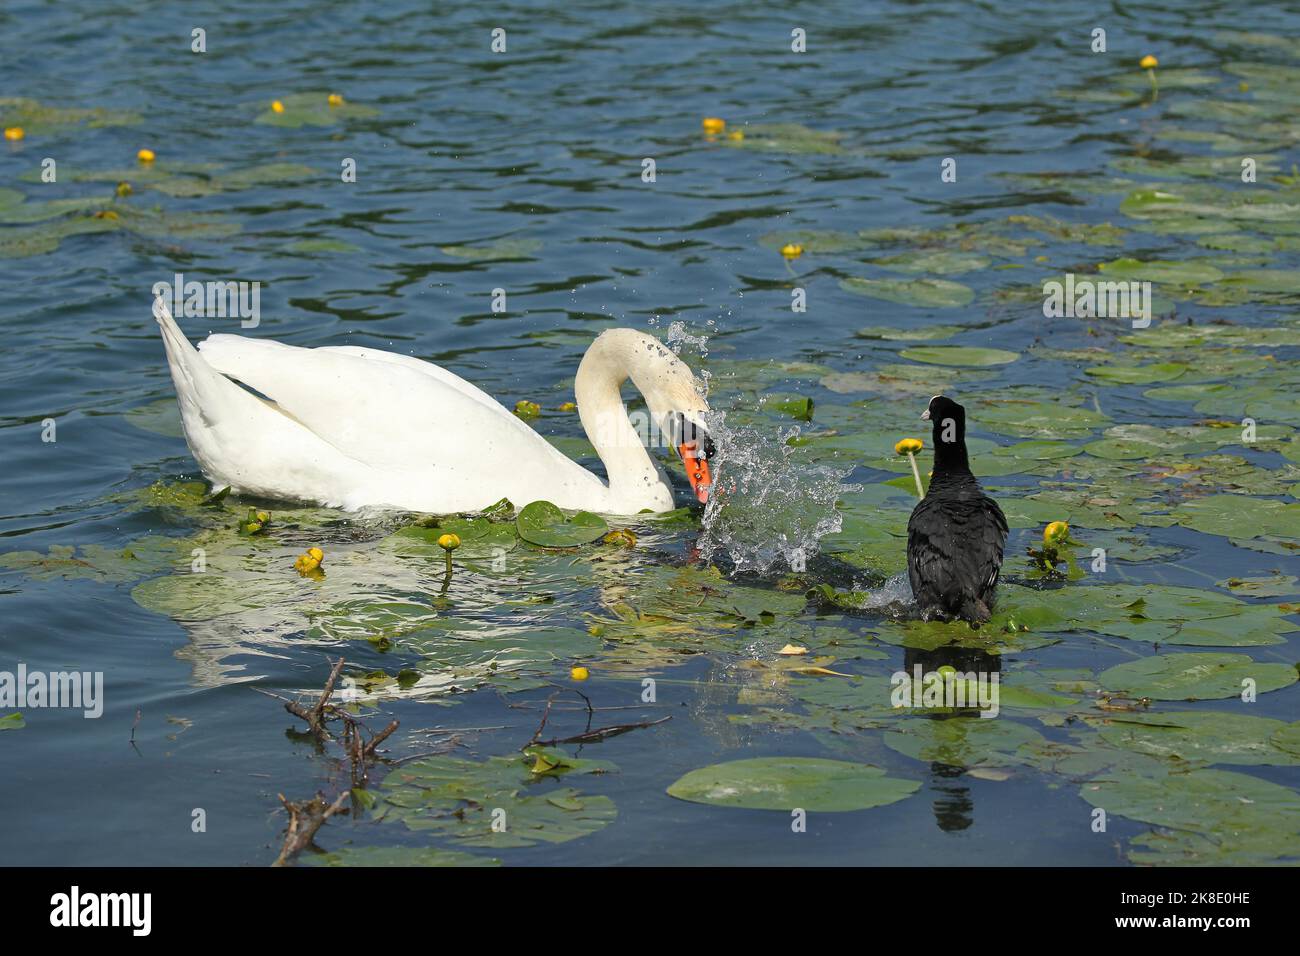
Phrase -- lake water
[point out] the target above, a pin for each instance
(523, 171)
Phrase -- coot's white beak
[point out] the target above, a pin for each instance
(925, 415)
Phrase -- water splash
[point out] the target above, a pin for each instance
(767, 509)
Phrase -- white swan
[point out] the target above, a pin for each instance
(352, 427)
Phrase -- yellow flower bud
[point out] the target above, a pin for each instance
(792, 250)
(624, 537)
(449, 542)
(14, 133)
(714, 124)
(568, 407)
(335, 99)
(124, 189)
(277, 106)
(908, 446)
(736, 134)
(1148, 62)
(1055, 532)
(146, 156)
(579, 673)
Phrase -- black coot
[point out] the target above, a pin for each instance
(956, 533)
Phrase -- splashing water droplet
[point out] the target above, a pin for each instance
(765, 508)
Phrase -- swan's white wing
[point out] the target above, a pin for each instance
(383, 411)
(410, 361)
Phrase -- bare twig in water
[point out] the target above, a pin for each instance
(316, 717)
(305, 819)
(601, 733)
(542, 726)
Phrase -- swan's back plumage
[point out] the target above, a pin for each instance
(353, 427)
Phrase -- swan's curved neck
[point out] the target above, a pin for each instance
(613, 358)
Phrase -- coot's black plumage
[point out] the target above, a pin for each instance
(956, 533)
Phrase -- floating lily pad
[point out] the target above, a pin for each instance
(496, 251)
(1218, 816)
(12, 722)
(463, 799)
(1195, 676)
(40, 119)
(543, 524)
(1276, 585)
(959, 355)
(928, 293)
(312, 109)
(1190, 737)
(925, 334)
(786, 783)
(941, 263)
(962, 741)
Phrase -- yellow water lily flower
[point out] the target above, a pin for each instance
(792, 250)
(568, 407)
(146, 156)
(1148, 62)
(579, 673)
(1055, 532)
(14, 133)
(277, 106)
(449, 542)
(714, 124)
(124, 189)
(335, 99)
(526, 409)
(309, 561)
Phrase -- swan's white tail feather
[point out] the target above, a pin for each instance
(199, 387)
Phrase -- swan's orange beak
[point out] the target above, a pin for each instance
(697, 469)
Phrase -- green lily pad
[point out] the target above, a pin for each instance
(1195, 676)
(312, 109)
(940, 262)
(962, 741)
(1138, 374)
(1190, 737)
(543, 524)
(1218, 816)
(496, 251)
(786, 783)
(1276, 585)
(12, 722)
(959, 355)
(1173, 273)
(928, 293)
(464, 799)
(925, 334)
(1287, 738)
(40, 119)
